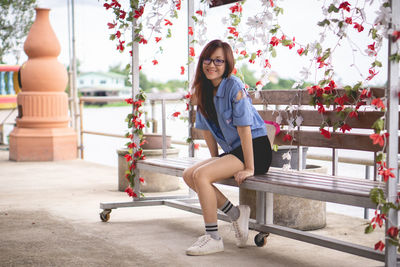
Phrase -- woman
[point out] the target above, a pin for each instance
(226, 117)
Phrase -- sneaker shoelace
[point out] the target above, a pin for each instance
(201, 241)
(238, 233)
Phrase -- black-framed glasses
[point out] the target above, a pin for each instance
(217, 61)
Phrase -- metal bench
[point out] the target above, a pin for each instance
(329, 188)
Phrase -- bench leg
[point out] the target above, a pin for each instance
(264, 215)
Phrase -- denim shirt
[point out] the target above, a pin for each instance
(232, 113)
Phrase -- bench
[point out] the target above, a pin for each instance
(322, 187)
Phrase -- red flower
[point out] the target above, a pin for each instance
(259, 52)
(378, 103)
(155, 62)
(287, 137)
(359, 27)
(259, 83)
(121, 46)
(325, 133)
(379, 246)
(182, 70)
(372, 74)
(141, 180)
(142, 41)
(321, 62)
(128, 157)
(158, 39)
(243, 53)
(122, 14)
(188, 95)
(236, 8)
(396, 35)
(233, 31)
(111, 25)
(379, 138)
(118, 34)
(130, 192)
(167, 22)
(196, 146)
(274, 41)
(345, 127)
(190, 31)
(341, 100)
(348, 21)
(178, 5)
(199, 12)
(140, 67)
(191, 51)
(345, 6)
(267, 64)
(107, 6)
(139, 13)
(385, 172)
(321, 108)
(300, 51)
(176, 114)
(393, 232)
(129, 101)
(234, 71)
(353, 114)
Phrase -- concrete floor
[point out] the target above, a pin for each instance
(49, 216)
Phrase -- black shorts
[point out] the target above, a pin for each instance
(261, 151)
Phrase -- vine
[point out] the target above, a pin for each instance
(258, 45)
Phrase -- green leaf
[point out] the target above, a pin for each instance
(369, 229)
(348, 89)
(333, 8)
(194, 18)
(393, 242)
(373, 33)
(377, 63)
(273, 53)
(379, 157)
(377, 196)
(275, 148)
(357, 86)
(324, 22)
(378, 125)
(169, 33)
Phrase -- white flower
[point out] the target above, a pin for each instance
(384, 15)
(254, 22)
(299, 120)
(266, 3)
(305, 73)
(286, 167)
(287, 156)
(224, 20)
(278, 119)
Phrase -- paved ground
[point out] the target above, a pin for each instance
(49, 217)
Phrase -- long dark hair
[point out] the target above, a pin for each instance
(203, 88)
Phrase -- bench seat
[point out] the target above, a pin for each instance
(317, 186)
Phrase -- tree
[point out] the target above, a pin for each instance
(16, 18)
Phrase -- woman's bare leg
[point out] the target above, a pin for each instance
(205, 175)
(188, 178)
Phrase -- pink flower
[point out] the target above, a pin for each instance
(300, 51)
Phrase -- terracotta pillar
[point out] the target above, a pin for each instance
(42, 132)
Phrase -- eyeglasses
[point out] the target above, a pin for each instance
(217, 61)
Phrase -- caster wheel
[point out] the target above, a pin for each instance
(105, 215)
(261, 239)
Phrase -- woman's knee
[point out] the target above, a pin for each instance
(188, 176)
(199, 176)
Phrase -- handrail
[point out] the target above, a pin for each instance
(101, 99)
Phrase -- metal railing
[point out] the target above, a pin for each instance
(151, 98)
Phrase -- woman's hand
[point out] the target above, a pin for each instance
(240, 176)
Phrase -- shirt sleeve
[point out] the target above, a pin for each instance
(242, 114)
(200, 121)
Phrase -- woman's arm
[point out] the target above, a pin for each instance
(211, 143)
(247, 147)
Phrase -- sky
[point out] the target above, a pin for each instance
(97, 53)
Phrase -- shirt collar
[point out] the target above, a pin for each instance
(221, 88)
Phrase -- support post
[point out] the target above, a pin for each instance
(190, 71)
(392, 122)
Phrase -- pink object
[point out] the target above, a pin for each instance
(277, 127)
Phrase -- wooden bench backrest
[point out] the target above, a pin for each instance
(274, 103)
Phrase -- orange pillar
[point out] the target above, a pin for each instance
(42, 132)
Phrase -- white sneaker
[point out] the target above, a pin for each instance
(241, 226)
(205, 245)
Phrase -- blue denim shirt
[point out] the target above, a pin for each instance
(232, 113)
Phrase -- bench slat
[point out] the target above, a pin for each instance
(276, 176)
